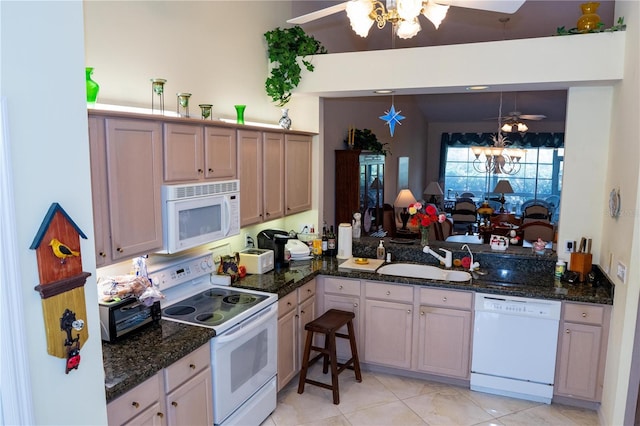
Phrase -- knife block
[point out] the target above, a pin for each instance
(580, 263)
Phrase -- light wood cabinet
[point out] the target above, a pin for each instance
(297, 173)
(343, 294)
(196, 152)
(126, 159)
(295, 310)
(181, 394)
(260, 160)
(582, 350)
(141, 405)
(388, 324)
(444, 332)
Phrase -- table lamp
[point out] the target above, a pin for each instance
(404, 199)
(503, 187)
(434, 190)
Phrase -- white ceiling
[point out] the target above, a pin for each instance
(536, 18)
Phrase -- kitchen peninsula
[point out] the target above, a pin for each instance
(136, 358)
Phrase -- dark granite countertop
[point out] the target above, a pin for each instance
(517, 272)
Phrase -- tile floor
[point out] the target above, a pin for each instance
(383, 399)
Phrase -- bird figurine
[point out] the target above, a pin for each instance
(62, 251)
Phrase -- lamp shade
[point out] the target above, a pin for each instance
(433, 189)
(504, 187)
(404, 199)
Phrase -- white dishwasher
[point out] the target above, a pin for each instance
(514, 346)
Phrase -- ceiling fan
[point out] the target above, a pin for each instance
(513, 121)
(403, 14)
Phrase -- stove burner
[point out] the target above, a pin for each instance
(179, 310)
(213, 294)
(211, 318)
(240, 299)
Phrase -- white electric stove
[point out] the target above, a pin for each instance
(244, 351)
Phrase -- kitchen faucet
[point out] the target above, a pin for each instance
(472, 265)
(447, 259)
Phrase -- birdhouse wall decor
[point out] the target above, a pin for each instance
(57, 246)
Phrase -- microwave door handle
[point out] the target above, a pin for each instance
(227, 224)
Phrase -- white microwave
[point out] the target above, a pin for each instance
(200, 213)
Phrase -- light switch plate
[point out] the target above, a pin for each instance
(621, 272)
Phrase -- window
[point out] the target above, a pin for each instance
(540, 176)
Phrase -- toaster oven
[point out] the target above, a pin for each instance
(121, 317)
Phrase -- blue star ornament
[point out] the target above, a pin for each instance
(392, 118)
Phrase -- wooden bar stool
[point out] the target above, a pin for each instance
(328, 324)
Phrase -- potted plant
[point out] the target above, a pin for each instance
(366, 140)
(284, 46)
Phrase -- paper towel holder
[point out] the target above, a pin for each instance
(345, 236)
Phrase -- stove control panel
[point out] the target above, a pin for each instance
(178, 271)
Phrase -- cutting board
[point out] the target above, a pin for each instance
(351, 265)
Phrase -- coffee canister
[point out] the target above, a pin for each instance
(345, 235)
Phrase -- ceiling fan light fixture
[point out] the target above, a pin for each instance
(408, 10)
(522, 127)
(359, 13)
(435, 13)
(507, 127)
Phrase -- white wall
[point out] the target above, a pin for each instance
(43, 81)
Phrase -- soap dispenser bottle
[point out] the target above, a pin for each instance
(380, 251)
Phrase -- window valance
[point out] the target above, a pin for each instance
(528, 140)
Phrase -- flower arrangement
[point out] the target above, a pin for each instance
(423, 216)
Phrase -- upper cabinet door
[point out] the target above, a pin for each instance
(273, 175)
(220, 155)
(297, 173)
(250, 175)
(183, 152)
(134, 164)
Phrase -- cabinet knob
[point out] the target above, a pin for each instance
(388, 293)
(444, 299)
(308, 290)
(119, 250)
(584, 315)
(568, 331)
(355, 305)
(210, 170)
(192, 366)
(408, 311)
(159, 414)
(102, 254)
(302, 312)
(268, 214)
(135, 404)
(175, 404)
(200, 171)
(422, 313)
(288, 303)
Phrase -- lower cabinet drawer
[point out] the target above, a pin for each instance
(587, 314)
(187, 367)
(446, 298)
(134, 402)
(342, 286)
(392, 292)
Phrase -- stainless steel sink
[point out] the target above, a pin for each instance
(413, 270)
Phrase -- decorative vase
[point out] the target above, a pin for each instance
(205, 110)
(285, 121)
(589, 19)
(424, 236)
(183, 104)
(240, 113)
(92, 87)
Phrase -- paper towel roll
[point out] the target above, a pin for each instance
(345, 235)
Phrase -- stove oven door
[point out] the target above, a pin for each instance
(244, 359)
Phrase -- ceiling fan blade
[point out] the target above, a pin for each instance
(534, 117)
(303, 19)
(503, 6)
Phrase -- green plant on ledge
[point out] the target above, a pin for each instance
(366, 140)
(620, 26)
(284, 45)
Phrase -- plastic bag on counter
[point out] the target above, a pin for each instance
(123, 286)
